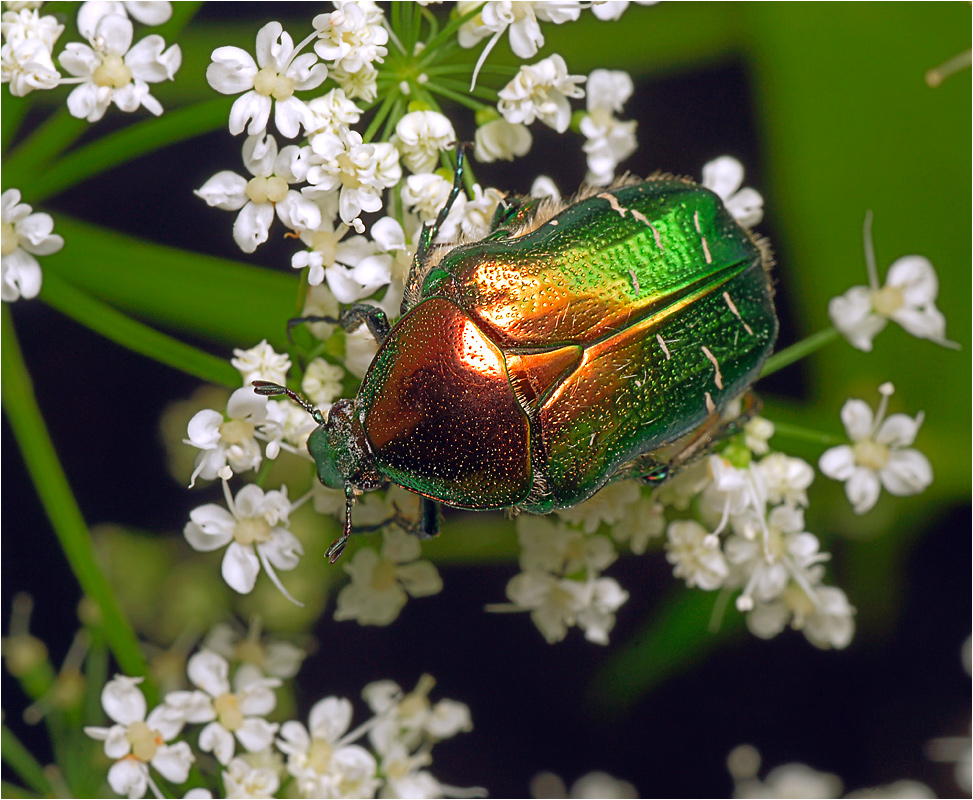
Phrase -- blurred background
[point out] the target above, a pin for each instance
(827, 107)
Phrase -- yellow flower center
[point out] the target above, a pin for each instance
(349, 172)
(802, 606)
(11, 241)
(249, 651)
(113, 72)
(264, 190)
(319, 756)
(144, 740)
(228, 711)
(252, 529)
(888, 300)
(268, 83)
(236, 431)
(326, 244)
(384, 578)
(871, 454)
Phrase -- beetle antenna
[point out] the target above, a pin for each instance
(268, 389)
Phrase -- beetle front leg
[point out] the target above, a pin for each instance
(351, 318)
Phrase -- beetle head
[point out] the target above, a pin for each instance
(341, 453)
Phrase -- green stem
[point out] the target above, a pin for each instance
(392, 119)
(803, 434)
(20, 760)
(799, 350)
(14, 109)
(26, 163)
(58, 500)
(134, 335)
(436, 43)
(483, 92)
(8, 789)
(462, 99)
(125, 145)
(380, 115)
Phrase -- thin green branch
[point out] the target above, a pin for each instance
(134, 335)
(799, 432)
(462, 99)
(380, 115)
(20, 760)
(483, 92)
(58, 500)
(799, 350)
(435, 45)
(26, 163)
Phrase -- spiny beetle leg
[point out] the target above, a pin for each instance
(427, 526)
(430, 232)
(349, 319)
(268, 389)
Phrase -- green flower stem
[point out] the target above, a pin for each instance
(393, 119)
(799, 350)
(434, 47)
(19, 759)
(425, 13)
(462, 99)
(483, 92)
(467, 69)
(29, 159)
(124, 145)
(803, 434)
(380, 115)
(134, 335)
(14, 109)
(58, 501)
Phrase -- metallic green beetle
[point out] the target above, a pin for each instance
(579, 342)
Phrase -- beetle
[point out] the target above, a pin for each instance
(577, 343)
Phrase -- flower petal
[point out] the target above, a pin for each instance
(240, 567)
(908, 472)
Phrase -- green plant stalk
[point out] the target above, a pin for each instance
(31, 156)
(799, 350)
(58, 500)
(8, 789)
(789, 431)
(135, 336)
(28, 768)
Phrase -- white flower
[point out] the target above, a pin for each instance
(756, 433)
(351, 37)
(541, 91)
(555, 604)
(321, 756)
(593, 785)
(785, 479)
(410, 719)
(522, 20)
(231, 440)
(609, 140)
(544, 186)
(791, 780)
(320, 302)
(360, 171)
(765, 563)
(613, 9)
(642, 521)
(273, 658)
(879, 454)
(380, 581)
(265, 193)
(261, 363)
(136, 742)
(25, 24)
(724, 176)
(478, 211)
(908, 298)
(322, 382)
(427, 193)
(822, 613)
(695, 555)
(255, 530)
(419, 138)
(277, 73)
(360, 85)
(499, 140)
(148, 13)
(553, 547)
(241, 779)
(27, 65)
(607, 506)
(228, 713)
(355, 267)
(332, 113)
(109, 72)
(24, 236)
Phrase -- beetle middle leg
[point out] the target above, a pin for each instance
(351, 318)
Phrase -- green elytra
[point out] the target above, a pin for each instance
(579, 342)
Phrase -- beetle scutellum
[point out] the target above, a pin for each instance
(580, 341)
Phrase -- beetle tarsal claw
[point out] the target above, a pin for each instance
(333, 553)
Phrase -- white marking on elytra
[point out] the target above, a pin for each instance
(710, 405)
(658, 238)
(640, 216)
(716, 366)
(736, 313)
(662, 344)
(696, 221)
(709, 258)
(613, 202)
(635, 281)
(552, 222)
(591, 441)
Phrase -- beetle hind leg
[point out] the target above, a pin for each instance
(350, 319)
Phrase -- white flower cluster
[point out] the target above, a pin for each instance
(258, 758)
(25, 235)
(106, 69)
